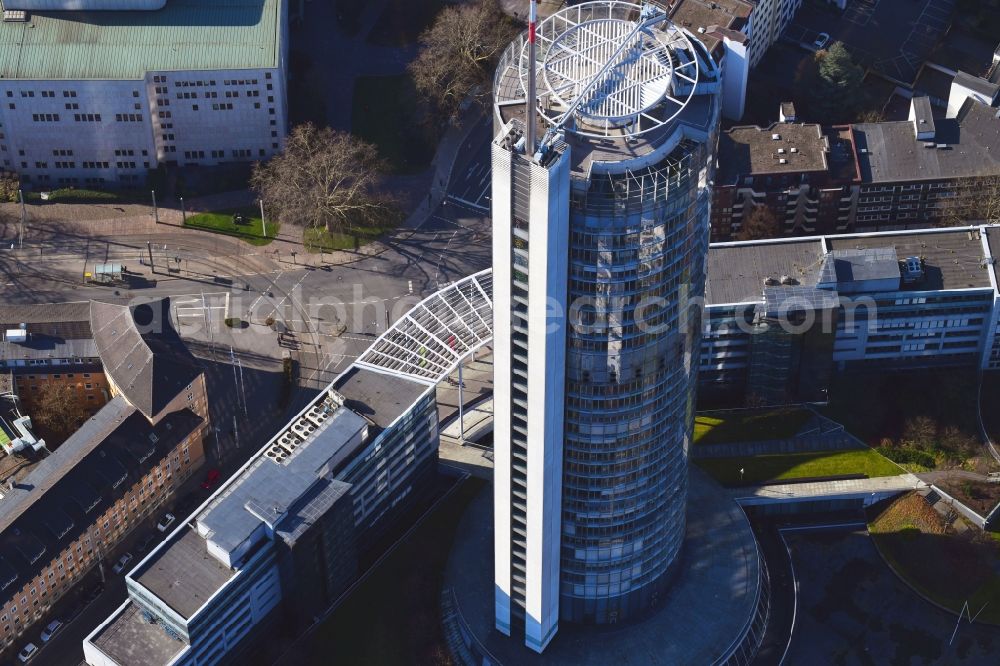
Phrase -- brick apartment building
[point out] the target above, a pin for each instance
(59, 350)
(64, 513)
(866, 177)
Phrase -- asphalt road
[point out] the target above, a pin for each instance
(331, 315)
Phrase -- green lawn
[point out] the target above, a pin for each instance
(4, 439)
(921, 418)
(320, 240)
(74, 195)
(749, 425)
(945, 566)
(385, 113)
(222, 222)
(759, 469)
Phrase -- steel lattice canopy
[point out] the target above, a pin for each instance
(610, 64)
(429, 342)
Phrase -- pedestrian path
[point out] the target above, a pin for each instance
(871, 490)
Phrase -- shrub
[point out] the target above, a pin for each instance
(9, 185)
(234, 322)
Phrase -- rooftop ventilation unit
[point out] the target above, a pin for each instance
(913, 269)
(787, 280)
(15, 16)
(771, 282)
(16, 335)
(782, 161)
(775, 137)
(781, 151)
(795, 150)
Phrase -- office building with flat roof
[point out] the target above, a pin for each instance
(782, 315)
(593, 413)
(282, 537)
(99, 93)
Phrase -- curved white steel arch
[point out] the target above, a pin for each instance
(429, 342)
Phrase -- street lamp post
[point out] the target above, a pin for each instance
(183, 213)
(263, 221)
(156, 213)
(24, 216)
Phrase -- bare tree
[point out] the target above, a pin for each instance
(974, 200)
(324, 178)
(760, 223)
(459, 52)
(59, 409)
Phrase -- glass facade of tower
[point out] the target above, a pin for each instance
(638, 243)
(600, 238)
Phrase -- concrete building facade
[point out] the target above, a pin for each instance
(95, 98)
(890, 300)
(594, 412)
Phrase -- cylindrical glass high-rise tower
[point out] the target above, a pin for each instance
(600, 235)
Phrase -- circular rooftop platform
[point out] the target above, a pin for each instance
(715, 609)
(611, 64)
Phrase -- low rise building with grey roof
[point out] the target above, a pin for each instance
(884, 176)
(894, 299)
(56, 334)
(288, 526)
(281, 539)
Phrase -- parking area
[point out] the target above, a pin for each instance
(892, 37)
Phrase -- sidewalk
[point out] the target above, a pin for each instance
(869, 489)
(443, 165)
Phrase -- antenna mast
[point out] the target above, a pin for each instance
(529, 106)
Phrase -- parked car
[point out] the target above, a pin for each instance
(211, 479)
(27, 653)
(166, 522)
(821, 40)
(50, 631)
(122, 562)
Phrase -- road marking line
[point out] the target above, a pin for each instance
(470, 204)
